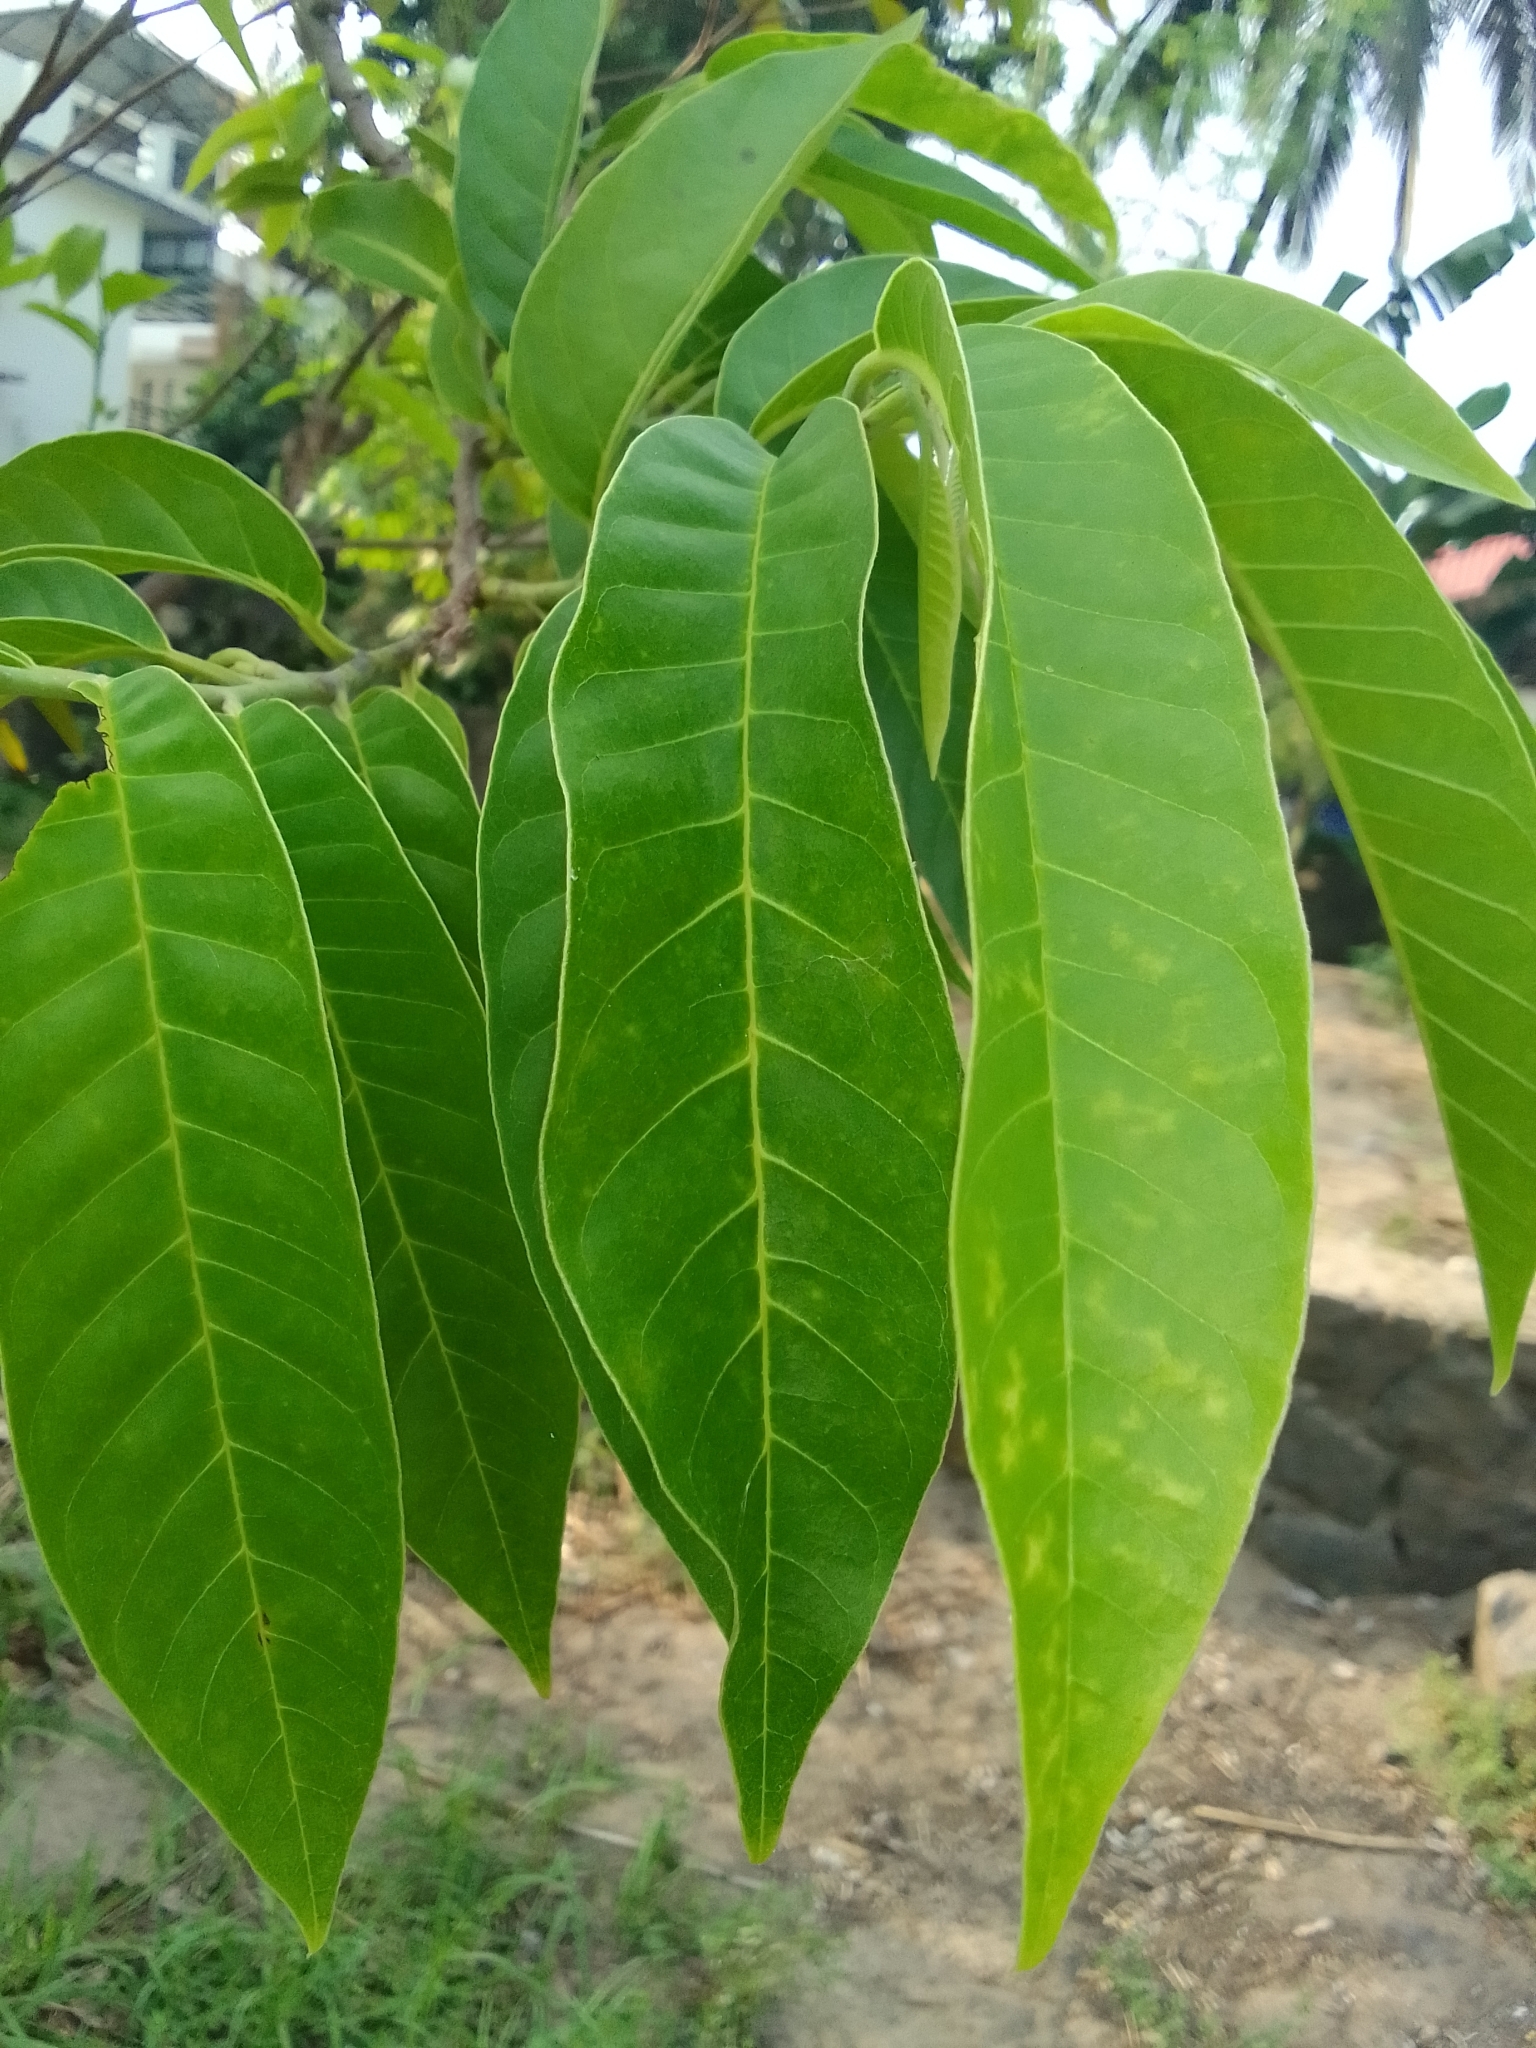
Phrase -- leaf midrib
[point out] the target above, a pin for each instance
(205, 1321)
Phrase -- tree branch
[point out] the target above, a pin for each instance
(49, 84)
(464, 553)
(317, 31)
(13, 195)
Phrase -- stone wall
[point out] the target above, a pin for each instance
(1395, 1471)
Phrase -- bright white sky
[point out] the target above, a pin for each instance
(1462, 189)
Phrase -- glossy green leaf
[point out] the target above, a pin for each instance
(386, 233)
(815, 315)
(610, 303)
(192, 1369)
(1430, 760)
(750, 1217)
(522, 938)
(1337, 373)
(860, 157)
(1133, 1194)
(68, 614)
(442, 715)
(456, 353)
(931, 808)
(131, 502)
(419, 782)
(484, 1399)
(518, 136)
(914, 326)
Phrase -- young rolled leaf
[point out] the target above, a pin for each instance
(68, 614)
(1337, 373)
(913, 324)
(386, 233)
(750, 1217)
(130, 501)
(1430, 759)
(522, 938)
(610, 305)
(192, 1369)
(828, 310)
(931, 807)
(518, 136)
(484, 1399)
(1133, 1192)
(861, 158)
(419, 782)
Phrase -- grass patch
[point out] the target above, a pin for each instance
(1478, 1751)
(466, 1917)
(1157, 2015)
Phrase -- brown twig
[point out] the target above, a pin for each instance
(317, 32)
(1333, 1838)
(73, 144)
(49, 86)
(464, 550)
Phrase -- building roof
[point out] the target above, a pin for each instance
(191, 100)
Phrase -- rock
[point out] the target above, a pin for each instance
(1504, 1635)
(1334, 1464)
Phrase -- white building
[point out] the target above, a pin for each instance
(127, 181)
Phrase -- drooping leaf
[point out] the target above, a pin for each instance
(131, 502)
(1133, 1192)
(69, 614)
(484, 1400)
(456, 353)
(610, 305)
(222, 14)
(910, 88)
(386, 233)
(860, 157)
(522, 938)
(82, 330)
(931, 808)
(1336, 372)
(192, 1369)
(747, 1153)
(1430, 761)
(810, 318)
(418, 781)
(517, 143)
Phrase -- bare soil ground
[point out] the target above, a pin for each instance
(905, 1825)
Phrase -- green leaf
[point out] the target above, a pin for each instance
(74, 257)
(80, 329)
(222, 14)
(815, 315)
(484, 1400)
(518, 135)
(569, 539)
(910, 88)
(256, 123)
(456, 353)
(419, 783)
(749, 287)
(879, 227)
(442, 715)
(1133, 1194)
(433, 151)
(931, 808)
(386, 233)
(1430, 761)
(859, 157)
(1336, 372)
(751, 1217)
(67, 614)
(278, 181)
(192, 1369)
(378, 390)
(914, 326)
(522, 937)
(610, 305)
(123, 288)
(131, 502)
